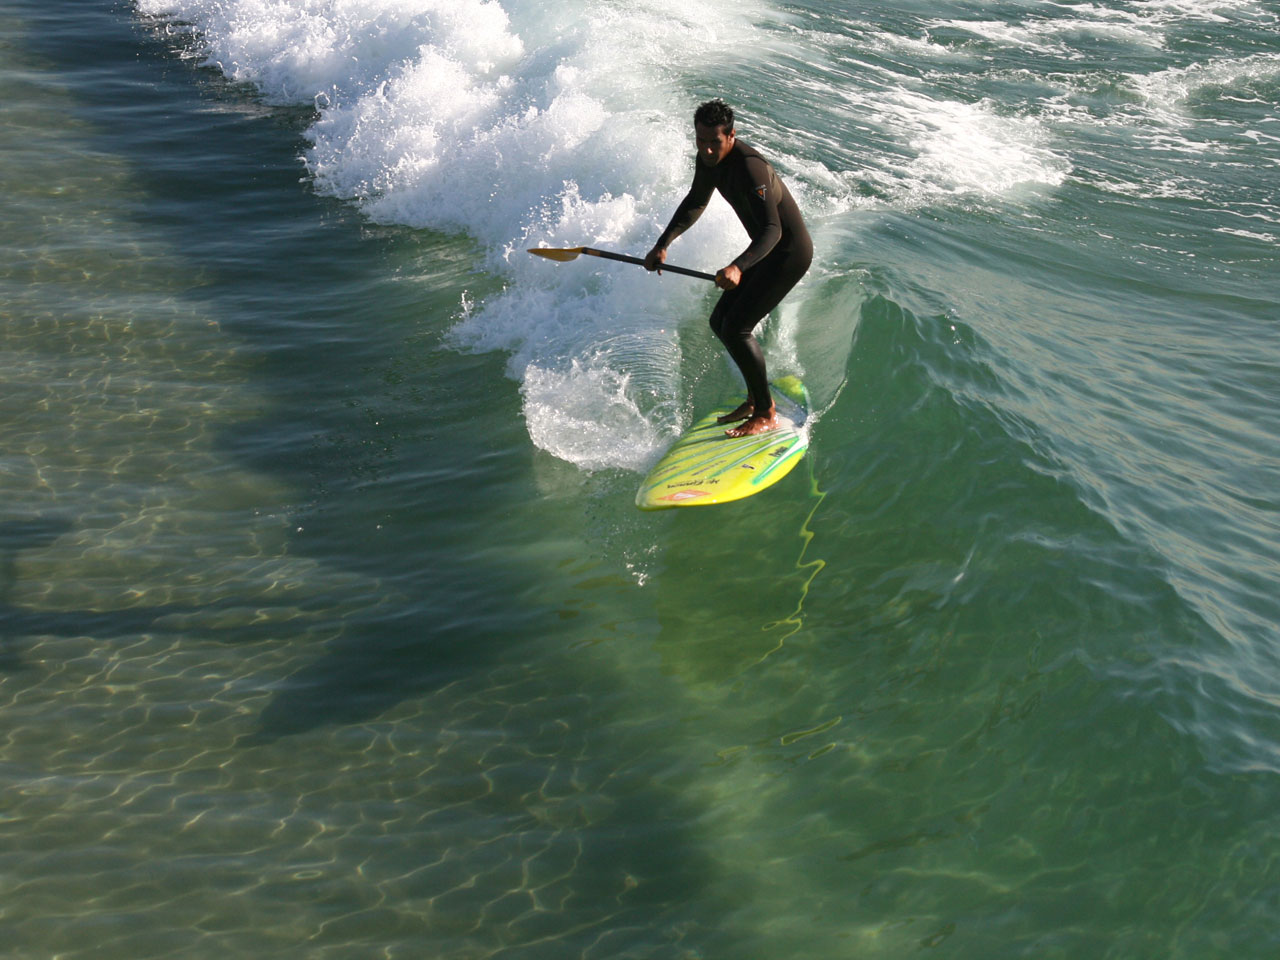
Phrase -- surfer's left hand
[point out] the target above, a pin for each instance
(729, 277)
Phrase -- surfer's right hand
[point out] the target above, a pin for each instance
(655, 258)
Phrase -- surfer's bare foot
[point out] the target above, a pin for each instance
(756, 424)
(744, 410)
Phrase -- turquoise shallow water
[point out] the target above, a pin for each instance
(328, 626)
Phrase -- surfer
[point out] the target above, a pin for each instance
(759, 277)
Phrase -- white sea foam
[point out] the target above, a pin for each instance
(1211, 11)
(966, 149)
(1167, 92)
(1059, 35)
(1250, 235)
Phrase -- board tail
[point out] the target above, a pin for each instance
(792, 389)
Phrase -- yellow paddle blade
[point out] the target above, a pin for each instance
(562, 255)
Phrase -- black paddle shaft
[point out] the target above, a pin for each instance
(622, 257)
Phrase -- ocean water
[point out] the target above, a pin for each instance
(328, 627)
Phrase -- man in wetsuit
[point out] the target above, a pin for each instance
(759, 277)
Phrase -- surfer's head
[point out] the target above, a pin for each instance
(713, 131)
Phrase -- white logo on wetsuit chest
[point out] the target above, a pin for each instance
(760, 190)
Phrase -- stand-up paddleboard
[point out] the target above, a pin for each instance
(705, 467)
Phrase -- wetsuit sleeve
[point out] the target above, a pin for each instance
(766, 194)
(691, 207)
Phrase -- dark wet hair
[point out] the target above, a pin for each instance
(714, 113)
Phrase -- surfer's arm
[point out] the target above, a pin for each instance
(764, 199)
(690, 209)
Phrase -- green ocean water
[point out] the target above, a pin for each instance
(328, 627)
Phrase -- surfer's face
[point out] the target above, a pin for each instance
(714, 143)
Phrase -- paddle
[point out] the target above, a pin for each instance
(564, 256)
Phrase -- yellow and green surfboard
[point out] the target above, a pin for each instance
(705, 467)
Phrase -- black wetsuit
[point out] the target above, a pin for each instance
(777, 258)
